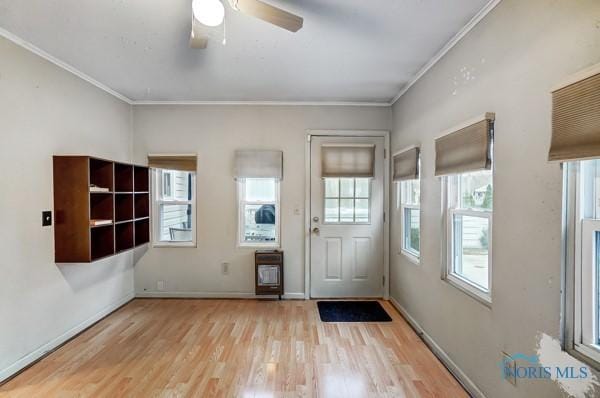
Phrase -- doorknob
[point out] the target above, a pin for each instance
(315, 230)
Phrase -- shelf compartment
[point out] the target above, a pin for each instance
(140, 179)
(124, 236)
(101, 207)
(142, 232)
(102, 242)
(142, 205)
(123, 177)
(101, 173)
(123, 207)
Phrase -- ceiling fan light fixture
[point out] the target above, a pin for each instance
(208, 12)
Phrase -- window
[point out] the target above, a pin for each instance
(410, 197)
(583, 212)
(347, 200)
(469, 198)
(174, 208)
(258, 211)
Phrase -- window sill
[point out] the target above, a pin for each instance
(175, 245)
(587, 355)
(469, 289)
(258, 246)
(411, 257)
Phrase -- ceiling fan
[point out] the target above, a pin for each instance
(210, 13)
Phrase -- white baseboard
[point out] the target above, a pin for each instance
(52, 344)
(215, 295)
(462, 378)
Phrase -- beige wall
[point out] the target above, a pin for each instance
(513, 57)
(45, 110)
(214, 133)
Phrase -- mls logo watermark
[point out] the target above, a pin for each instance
(521, 366)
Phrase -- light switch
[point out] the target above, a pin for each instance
(46, 218)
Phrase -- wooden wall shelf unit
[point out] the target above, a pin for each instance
(101, 208)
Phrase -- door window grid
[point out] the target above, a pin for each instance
(347, 200)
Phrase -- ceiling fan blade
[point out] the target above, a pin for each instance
(269, 13)
(198, 39)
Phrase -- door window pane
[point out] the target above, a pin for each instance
(332, 210)
(362, 210)
(347, 187)
(346, 210)
(332, 187)
(471, 249)
(362, 187)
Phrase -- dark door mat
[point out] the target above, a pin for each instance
(352, 311)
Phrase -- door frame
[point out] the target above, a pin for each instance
(386, 200)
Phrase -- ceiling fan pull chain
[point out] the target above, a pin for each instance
(224, 33)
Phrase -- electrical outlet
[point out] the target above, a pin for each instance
(509, 369)
(46, 218)
(160, 286)
(225, 268)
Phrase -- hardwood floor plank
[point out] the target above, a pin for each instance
(237, 348)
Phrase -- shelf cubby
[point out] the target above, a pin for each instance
(102, 242)
(140, 179)
(123, 207)
(142, 231)
(123, 177)
(124, 236)
(142, 205)
(101, 173)
(101, 206)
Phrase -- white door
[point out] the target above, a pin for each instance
(347, 228)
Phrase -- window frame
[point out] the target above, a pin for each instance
(242, 202)
(580, 273)
(156, 190)
(403, 206)
(451, 208)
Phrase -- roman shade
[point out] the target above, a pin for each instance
(258, 164)
(182, 162)
(347, 160)
(406, 164)
(576, 120)
(465, 148)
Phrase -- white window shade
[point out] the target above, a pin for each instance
(576, 120)
(348, 160)
(406, 165)
(466, 148)
(258, 164)
(181, 162)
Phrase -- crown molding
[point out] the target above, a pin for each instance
(266, 103)
(449, 45)
(69, 68)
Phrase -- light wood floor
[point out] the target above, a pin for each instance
(237, 348)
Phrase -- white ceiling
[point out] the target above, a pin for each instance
(348, 50)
